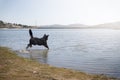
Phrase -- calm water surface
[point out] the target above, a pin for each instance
(94, 51)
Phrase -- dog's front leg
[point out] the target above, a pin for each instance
(46, 46)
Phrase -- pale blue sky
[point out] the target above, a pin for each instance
(46, 12)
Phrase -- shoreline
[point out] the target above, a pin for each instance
(14, 67)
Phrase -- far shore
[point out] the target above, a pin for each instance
(13, 67)
(63, 28)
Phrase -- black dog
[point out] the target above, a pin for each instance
(37, 41)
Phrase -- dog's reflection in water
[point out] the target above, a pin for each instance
(39, 55)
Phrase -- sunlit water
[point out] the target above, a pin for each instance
(94, 51)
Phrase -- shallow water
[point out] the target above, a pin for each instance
(90, 50)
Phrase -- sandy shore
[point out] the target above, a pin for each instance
(13, 67)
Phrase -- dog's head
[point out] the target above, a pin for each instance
(45, 37)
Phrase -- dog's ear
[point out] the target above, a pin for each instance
(44, 35)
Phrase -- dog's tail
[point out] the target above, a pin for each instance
(30, 32)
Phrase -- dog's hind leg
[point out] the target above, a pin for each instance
(29, 45)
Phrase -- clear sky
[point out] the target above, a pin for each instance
(46, 12)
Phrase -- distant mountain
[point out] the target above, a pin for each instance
(77, 25)
(113, 25)
(57, 26)
(50, 26)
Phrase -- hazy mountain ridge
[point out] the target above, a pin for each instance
(58, 26)
(113, 25)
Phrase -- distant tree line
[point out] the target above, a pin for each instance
(1, 24)
(13, 25)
